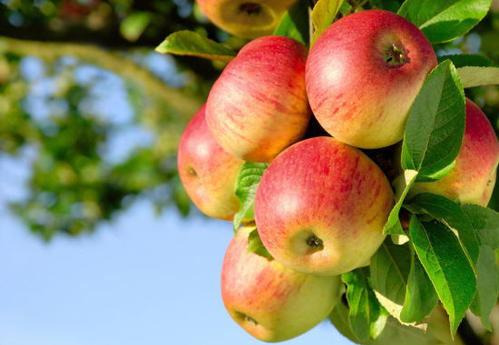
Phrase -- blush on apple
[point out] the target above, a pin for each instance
(207, 172)
(363, 74)
(258, 106)
(270, 301)
(321, 207)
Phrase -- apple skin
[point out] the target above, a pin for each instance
(269, 301)
(258, 106)
(245, 18)
(472, 179)
(357, 96)
(322, 189)
(207, 172)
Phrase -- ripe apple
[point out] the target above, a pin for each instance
(258, 106)
(269, 301)
(363, 74)
(207, 172)
(245, 18)
(472, 179)
(321, 206)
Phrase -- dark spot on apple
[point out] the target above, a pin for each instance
(396, 56)
(315, 242)
(245, 317)
(250, 8)
(191, 172)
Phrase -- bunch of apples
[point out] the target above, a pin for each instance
(322, 203)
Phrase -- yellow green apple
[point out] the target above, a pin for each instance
(321, 207)
(472, 179)
(245, 18)
(207, 172)
(270, 301)
(258, 106)
(363, 74)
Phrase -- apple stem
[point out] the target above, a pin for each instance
(395, 56)
(250, 8)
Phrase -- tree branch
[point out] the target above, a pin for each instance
(176, 99)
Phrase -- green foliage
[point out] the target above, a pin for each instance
(366, 316)
(447, 266)
(193, 44)
(323, 15)
(294, 24)
(389, 270)
(444, 20)
(255, 245)
(472, 76)
(450, 213)
(462, 60)
(435, 126)
(246, 184)
(403, 185)
(420, 296)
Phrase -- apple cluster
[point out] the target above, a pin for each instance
(322, 203)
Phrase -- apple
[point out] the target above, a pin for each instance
(270, 301)
(207, 172)
(472, 179)
(321, 207)
(363, 74)
(258, 106)
(245, 18)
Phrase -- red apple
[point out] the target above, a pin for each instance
(258, 106)
(208, 173)
(269, 301)
(321, 206)
(245, 18)
(472, 179)
(363, 74)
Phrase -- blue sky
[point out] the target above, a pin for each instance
(140, 280)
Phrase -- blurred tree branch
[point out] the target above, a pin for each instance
(49, 51)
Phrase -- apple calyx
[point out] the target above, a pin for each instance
(245, 317)
(396, 56)
(315, 243)
(250, 8)
(192, 172)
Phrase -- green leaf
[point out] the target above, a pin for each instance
(435, 126)
(446, 265)
(444, 20)
(462, 60)
(402, 185)
(367, 317)
(420, 296)
(295, 23)
(449, 212)
(323, 15)
(393, 333)
(472, 76)
(134, 25)
(487, 285)
(389, 270)
(246, 184)
(485, 221)
(339, 318)
(256, 246)
(193, 44)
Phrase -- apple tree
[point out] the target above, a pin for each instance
(385, 183)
